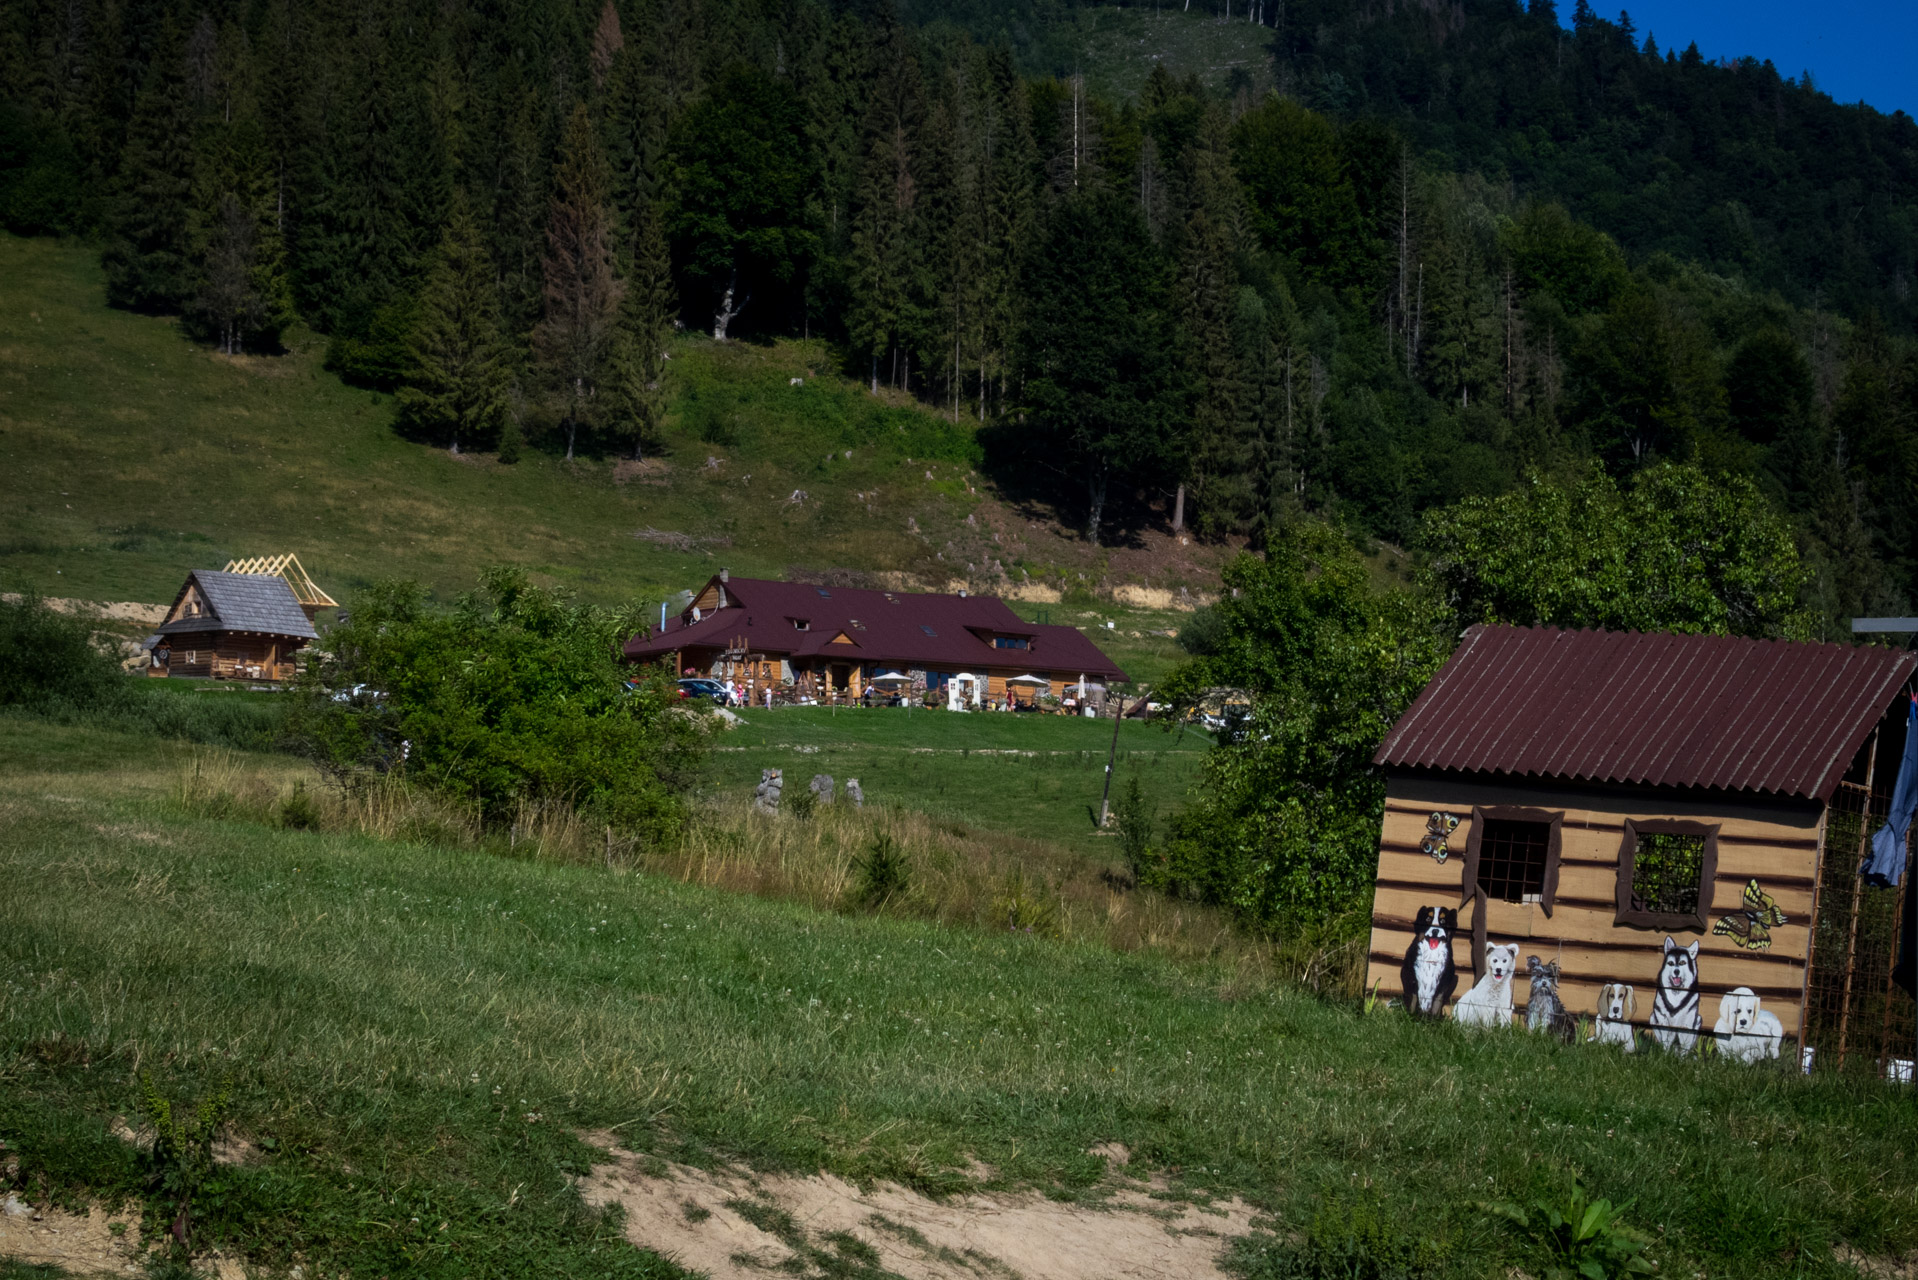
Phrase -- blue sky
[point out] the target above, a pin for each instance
(1854, 48)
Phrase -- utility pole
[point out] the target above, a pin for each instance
(1105, 801)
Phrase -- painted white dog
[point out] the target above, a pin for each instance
(1489, 1002)
(1745, 1031)
(1617, 1006)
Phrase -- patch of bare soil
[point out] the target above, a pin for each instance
(1149, 568)
(83, 1246)
(146, 615)
(734, 1225)
(1905, 1268)
(654, 471)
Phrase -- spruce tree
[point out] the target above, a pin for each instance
(636, 386)
(458, 385)
(148, 259)
(582, 294)
(885, 254)
(1101, 383)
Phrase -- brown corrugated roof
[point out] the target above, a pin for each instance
(1661, 710)
(901, 628)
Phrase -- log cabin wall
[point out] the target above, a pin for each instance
(233, 654)
(1778, 845)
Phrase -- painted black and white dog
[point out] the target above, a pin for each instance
(1675, 1019)
(1428, 975)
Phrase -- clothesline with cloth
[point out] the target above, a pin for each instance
(1884, 864)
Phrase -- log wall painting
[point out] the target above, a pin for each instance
(1611, 959)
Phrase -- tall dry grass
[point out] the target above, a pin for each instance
(952, 873)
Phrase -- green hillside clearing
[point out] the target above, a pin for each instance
(133, 455)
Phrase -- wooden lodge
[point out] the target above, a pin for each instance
(245, 622)
(835, 642)
(1655, 815)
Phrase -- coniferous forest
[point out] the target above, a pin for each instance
(1459, 245)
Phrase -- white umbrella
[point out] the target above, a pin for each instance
(1033, 680)
(892, 677)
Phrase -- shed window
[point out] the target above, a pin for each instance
(1665, 873)
(1665, 870)
(1512, 858)
(928, 630)
(1011, 642)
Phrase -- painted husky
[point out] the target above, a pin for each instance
(1489, 1003)
(1428, 974)
(1675, 1019)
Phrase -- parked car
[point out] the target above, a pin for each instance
(701, 687)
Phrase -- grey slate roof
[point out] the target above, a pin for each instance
(245, 602)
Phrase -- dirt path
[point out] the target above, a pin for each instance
(733, 1225)
(83, 1246)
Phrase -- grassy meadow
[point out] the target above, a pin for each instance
(415, 1033)
(133, 455)
(1037, 777)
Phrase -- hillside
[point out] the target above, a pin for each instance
(422, 1043)
(134, 455)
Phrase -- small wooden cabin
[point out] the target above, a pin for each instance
(1590, 795)
(232, 626)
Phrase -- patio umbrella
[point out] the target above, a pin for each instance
(1032, 680)
(891, 677)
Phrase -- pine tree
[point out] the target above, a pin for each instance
(582, 293)
(148, 260)
(608, 40)
(458, 385)
(636, 386)
(885, 254)
(1218, 453)
(1101, 383)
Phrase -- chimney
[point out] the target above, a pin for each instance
(962, 593)
(725, 575)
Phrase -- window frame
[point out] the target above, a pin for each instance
(1666, 921)
(1554, 845)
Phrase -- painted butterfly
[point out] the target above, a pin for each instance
(1751, 925)
(1438, 829)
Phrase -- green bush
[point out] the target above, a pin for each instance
(49, 659)
(884, 873)
(51, 666)
(1134, 817)
(514, 697)
(297, 811)
(1286, 825)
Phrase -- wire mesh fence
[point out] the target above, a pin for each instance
(1855, 1019)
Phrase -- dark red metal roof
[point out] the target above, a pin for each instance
(897, 628)
(1650, 708)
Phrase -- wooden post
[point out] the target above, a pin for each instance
(1811, 940)
(1885, 1054)
(1857, 890)
(1112, 754)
